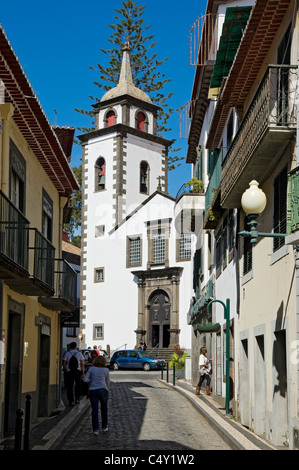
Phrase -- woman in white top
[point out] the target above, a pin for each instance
(204, 367)
(98, 376)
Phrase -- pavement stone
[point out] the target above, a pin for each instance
(51, 433)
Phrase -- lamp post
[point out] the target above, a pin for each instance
(227, 318)
(253, 202)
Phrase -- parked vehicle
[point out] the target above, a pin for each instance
(132, 359)
(87, 357)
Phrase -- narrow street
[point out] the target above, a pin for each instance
(144, 414)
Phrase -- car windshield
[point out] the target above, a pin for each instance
(145, 354)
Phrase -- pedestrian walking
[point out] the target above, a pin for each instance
(204, 371)
(73, 366)
(98, 377)
(94, 353)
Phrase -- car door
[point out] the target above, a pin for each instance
(135, 360)
(122, 359)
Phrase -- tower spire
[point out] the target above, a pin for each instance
(125, 85)
(125, 72)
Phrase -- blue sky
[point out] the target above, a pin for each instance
(56, 43)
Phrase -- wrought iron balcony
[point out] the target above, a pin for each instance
(40, 265)
(64, 298)
(13, 241)
(263, 134)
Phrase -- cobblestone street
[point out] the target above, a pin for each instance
(144, 414)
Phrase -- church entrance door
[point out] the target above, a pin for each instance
(159, 319)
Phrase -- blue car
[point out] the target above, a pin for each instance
(132, 359)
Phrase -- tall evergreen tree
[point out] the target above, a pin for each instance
(144, 64)
(146, 76)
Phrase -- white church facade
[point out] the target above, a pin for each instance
(136, 274)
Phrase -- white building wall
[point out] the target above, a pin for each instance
(114, 302)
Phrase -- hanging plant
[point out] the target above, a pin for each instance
(208, 327)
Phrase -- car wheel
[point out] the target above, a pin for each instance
(146, 366)
(115, 366)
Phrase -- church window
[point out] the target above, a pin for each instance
(140, 121)
(144, 178)
(99, 231)
(100, 174)
(98, 332)
(110, 118)
(158, 232)
(99, 275)
(159, 248)
(185, 246)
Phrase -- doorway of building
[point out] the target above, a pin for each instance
(159, 319)
(13, 371)
(44, 370)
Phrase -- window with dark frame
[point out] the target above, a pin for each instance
(47, 216)
(134, 251)
(17, 177)
(280, 208)
(247, 254)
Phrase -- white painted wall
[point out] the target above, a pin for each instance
(114, 301)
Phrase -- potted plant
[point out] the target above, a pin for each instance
(195, 185)
(178, 361)
(208, 327)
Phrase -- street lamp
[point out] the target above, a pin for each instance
(227, 318)
(253, 202)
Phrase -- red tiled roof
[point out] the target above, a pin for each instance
(32, 121)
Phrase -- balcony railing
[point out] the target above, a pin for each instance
(40, 266)
(64, 298)
(293, 201)
(13, 240)
(263, 133)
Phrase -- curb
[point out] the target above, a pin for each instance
(233, 433)
(58, 433)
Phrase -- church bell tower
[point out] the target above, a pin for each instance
(124, 160)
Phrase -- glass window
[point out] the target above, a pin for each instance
(185, 246)
(280, 208)
(99, 275)
(98, 332)
(159, 248)
(135, 251)
(247, 257)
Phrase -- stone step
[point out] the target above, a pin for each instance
(163, 353)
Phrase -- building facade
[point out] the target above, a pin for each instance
(135, 265)
(35, 283)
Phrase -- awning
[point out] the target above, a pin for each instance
(232, 32)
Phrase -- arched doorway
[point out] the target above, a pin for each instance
(159, 319)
